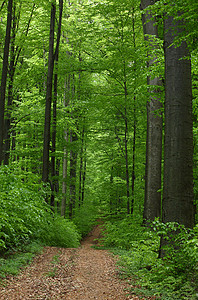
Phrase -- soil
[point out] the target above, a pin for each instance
(72, 274)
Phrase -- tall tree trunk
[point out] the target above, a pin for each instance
(46, 144)
(126, 148)
(11, 71)
(152, 202)
(134, 126)
(178, 148)
(53, 150)
(64, 184)
(53, 159)
(84, 175)
(133, 158)
(14, 58)
(73, 163)
(4, 75)
(81, 167)
(65, 157)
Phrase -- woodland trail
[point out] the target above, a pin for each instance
(72, 274)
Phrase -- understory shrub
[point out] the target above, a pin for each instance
(11, 264)
(25, 215)
(173, 277)
(85, 218)
(62, 233)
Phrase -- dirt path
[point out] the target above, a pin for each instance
(71, 274)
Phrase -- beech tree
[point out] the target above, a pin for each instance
(152, 202)
(178, 147)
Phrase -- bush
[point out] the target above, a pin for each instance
(175, 276)
(62, 233)
(25, 216)
(85, 218)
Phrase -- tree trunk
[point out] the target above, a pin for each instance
(73, 163)
(81, 167)
(65, 157)
(133, 158)
(53, 160)
(4, 75)
(178, 148)
(64, 184)
(84, 175)
(14, 58)
(46, 144)
(11, 71)
(126, 149)
(152, 202)
(134, 127)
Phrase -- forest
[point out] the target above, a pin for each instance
(99, 121)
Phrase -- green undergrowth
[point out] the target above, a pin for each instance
(12, 263)
(25, 216)
(86, 218)
(173, 277)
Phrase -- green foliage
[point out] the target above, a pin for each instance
(11, 265)
(124, 233)
(55, 261)
(62, 232)
(174, 276)
(22, 209)
(85, 218)
(25, 216)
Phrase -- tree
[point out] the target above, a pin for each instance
(178, 148)
(4, 75)
(54, 119)
(15, 51)
(46, 143)
(152, 202)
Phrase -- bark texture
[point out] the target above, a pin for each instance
(152, 203)
(4, 76)
(178, 157)
(46, 144)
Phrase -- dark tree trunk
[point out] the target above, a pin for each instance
(46, 144)
(73, 163)
(65, 157)
(4, 76)
(53, 150)
(178, 148)
(84, 176)
(134, 128)
(53, 160)
(133, 158)
(152, 202)
(14, 58)
(126, 149)
(111, 191)
(81, 167)
(11, 71)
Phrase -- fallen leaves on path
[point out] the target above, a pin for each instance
(71, 274)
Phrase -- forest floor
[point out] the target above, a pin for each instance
(72, 274)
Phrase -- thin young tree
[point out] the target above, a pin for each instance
(48, 100)
(4, 75)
